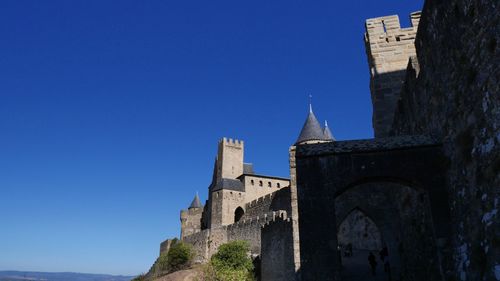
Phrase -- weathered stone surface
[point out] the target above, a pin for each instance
(277, 256)
(452, 90)
(388, 47)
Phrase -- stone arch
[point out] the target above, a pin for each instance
(238, 214)
(360, 231)
(379, 179)
(394, 207)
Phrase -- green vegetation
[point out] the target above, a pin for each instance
(230, 263)
(179, 256)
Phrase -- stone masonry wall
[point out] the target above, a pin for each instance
(190, 221)
(200, 243)
(454, 93)
(388, 47)
(258, 186)
(207, 241)
(277, 262)
(278, 200)
(224, 203)
(294, 206)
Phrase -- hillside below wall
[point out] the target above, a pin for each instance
(453, 92)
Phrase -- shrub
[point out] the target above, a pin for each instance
(231, 263)
(161, 264)
(178, 257)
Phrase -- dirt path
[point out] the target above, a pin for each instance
(182, 275)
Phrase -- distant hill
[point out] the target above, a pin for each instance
(59, 276)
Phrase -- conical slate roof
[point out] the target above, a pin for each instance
(196, 202)
(327, 133)
(311, 130)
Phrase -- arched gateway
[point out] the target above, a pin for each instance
(391, 186)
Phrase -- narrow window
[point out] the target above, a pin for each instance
(251, 182)
(260, 183)
(278, 185)
(269, 184)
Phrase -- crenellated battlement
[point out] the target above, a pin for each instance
(260, 200)
(260, 220)
(231, 142)
(390, 25)
(282, 217)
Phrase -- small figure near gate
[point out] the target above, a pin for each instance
(373, 263)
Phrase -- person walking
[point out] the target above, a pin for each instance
(373, 263)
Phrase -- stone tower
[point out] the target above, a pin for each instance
(229, 159)
(227, 192)
(388, 47)
(191, 218)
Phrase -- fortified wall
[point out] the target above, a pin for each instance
(451, 90)
(207, 241)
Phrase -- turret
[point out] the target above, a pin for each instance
(196, 202)
(327, 133)
(312, 132)
(191, 218)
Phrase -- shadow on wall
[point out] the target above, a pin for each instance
(398, 183)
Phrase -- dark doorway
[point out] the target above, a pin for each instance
(238, 213)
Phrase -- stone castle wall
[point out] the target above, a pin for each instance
(257, 186)
(277, 259)
(388, 47)
(207, 241)
(452, 90)
(278, 200)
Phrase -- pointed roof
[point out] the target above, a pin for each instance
(196, 202)
(311, 130)
(327, 133)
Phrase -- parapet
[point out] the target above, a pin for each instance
(261, 220)
(231, 142)
(388, 44)
(390, 24)
(280, 217)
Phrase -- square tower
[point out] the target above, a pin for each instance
(227, 192)
(229, 159)
(388, 47)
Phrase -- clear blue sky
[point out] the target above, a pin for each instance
(110, 112)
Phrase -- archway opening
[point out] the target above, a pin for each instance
(359, 231)
(238, 214)
(399, 215)
(358, 237)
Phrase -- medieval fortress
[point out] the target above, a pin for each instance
(426, 187)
